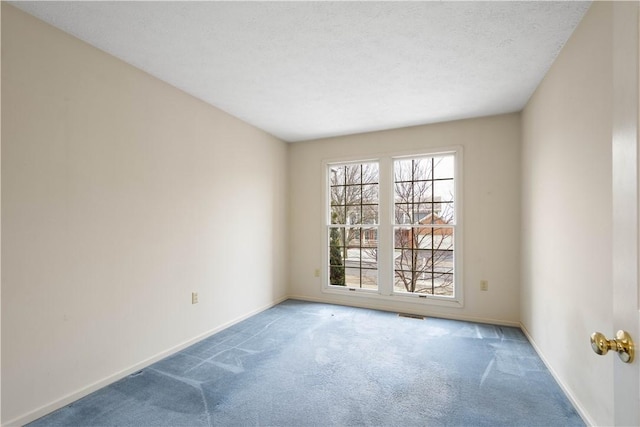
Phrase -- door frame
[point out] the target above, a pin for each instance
(625, 184)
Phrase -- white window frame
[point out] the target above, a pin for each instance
(386, 223)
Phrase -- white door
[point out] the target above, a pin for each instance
(625, 207)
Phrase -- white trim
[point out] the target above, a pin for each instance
(567, 391)
(395, 297)
(419, 309)
(72, 397)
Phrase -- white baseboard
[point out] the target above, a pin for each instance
(567, 391)
(379, 305)
(72, 397)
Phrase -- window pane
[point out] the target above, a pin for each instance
(370, 194)
(439, 238)
(436, 213)
(446, 214)
(423, 213)
(403, 260)
(423, 238)
(336, 236)
(424, 284)
(336, 257)
(442, 239)
(403, 214)
(353, 257)
(352, 237)
(403, 237)
(403, 192)
(443, 261)
(336, 175)
(353, 195)
(443, 284)
(370, 279)
(403, 170)
(422, 260)
(444, 167)
(337, 195)
(369, 248)
(353, 174)
(370, 173)
(405, 281)
(369, 214)
(337, 215)
(369, 258)
(422, 191)
(443, 190)
(354, 264)
(370, 238)
(353, 215)
(422, 169)
(352, 277)
(336, 275)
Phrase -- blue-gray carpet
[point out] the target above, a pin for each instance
(308, 364)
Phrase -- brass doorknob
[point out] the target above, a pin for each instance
(623, 344)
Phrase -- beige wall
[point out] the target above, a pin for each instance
(567, 220)
(120, 196)
(491, 211)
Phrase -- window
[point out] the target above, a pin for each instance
(353, 232)
(393, 227)
(424, 225)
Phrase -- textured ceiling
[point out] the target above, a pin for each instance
(304, 70)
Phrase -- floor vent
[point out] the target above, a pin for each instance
(411, 316)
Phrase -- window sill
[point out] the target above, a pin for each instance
(399, 298)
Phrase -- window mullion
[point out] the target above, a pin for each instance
(385, 227)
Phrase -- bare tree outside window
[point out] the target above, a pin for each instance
(424, 231)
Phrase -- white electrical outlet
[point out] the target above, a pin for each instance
(484, 285)
(194, 297)
(316, 272)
